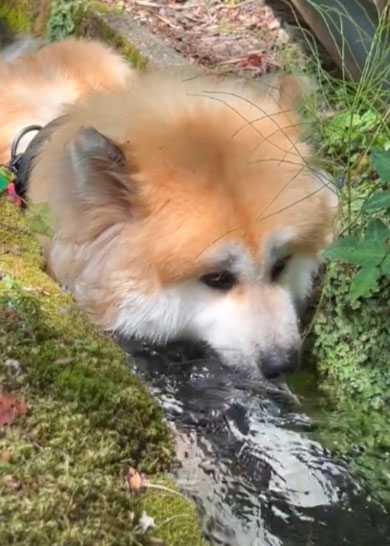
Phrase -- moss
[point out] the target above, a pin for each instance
(167, 507)
(351, 347)
(26, 15)
(362, 438)
(351, 337)
(73, 17)
(92, 24)
(15, 17)
(88, 417)
(61, 18)
(99, 7)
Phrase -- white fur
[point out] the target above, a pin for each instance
(238, 329)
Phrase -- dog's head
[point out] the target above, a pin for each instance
(197, 215)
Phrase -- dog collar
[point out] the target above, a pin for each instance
(10, 179)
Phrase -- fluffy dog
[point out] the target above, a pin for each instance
(183, 205)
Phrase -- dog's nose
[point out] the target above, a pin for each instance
(277, 362)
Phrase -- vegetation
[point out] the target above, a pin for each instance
(351, 323)
(63, 464)
(63, 20)
(71, 384)
(88, 419)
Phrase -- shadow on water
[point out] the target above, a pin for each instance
(250, 459)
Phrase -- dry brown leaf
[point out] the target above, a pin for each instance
(253, 59)
(135, 481)
(10, 408)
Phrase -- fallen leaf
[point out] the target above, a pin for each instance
(135, 481)
(10, 408)
(252, 60)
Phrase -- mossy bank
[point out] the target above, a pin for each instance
(351, 330)
(63, 464)
(58, 19)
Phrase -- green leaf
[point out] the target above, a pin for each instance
(6, 176)
(381, 160)
(385, 265)
(364, 282)
(367, 253)
(376, 230)
(3, 182)
(378, 200)
(39, 219)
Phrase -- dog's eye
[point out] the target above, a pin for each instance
(223, 280)
(279, 267)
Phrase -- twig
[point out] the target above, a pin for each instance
(149, 485)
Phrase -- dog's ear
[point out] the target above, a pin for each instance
(98, 182)
(99, 172)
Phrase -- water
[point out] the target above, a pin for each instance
(250, 459)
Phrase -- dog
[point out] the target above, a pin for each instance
(183, 205)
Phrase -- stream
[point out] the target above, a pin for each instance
(250, 458)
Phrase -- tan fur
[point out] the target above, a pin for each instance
(37, 86)
(208, 160)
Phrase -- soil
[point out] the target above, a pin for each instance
(245, 36)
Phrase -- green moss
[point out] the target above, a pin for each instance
(15, 16)
(351, 337)
(352, 350)
(92, 24)
(59, 19)
(361, 436)
(88, 418)
(73, 17)
(26, 15)
(167, 507)
(99, 7)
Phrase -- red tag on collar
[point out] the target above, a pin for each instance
(13, 195)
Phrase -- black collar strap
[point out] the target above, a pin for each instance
(15, 157)
(16, 162)
(22, 163)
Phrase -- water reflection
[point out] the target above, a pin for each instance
(250, 460)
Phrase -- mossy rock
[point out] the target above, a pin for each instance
(26, 16)
(93, 23)
(89, 418)
(351, 341)
(135, 42)
(58, 19)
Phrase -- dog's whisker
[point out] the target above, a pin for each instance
(299, 124)
(248, 101)
(221, 101)
(250, 123)
(295, 203)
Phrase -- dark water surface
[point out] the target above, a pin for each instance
(251, 461)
